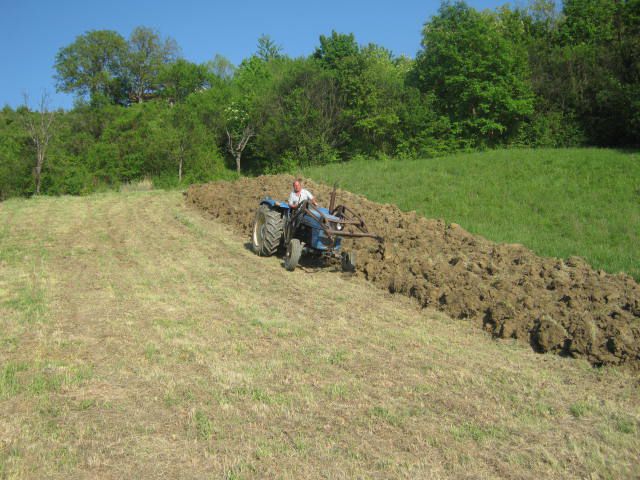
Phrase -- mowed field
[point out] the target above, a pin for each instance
(139, 339)
(558, 202)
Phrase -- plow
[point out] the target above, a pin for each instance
(308, 230)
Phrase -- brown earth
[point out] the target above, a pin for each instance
(560, 306)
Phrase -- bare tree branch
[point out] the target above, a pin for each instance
(40, 130)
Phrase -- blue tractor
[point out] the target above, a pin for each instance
(307, 229)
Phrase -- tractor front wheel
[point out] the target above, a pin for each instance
(267, 231)
(292, 257)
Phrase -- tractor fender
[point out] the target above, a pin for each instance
(274, 203)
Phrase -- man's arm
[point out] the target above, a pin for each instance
(312, 199)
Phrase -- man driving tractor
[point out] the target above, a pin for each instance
(301, 226)
(299, 195)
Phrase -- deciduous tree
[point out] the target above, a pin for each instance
(239, 129)
(94, 66)
(148, 53)
(268, 49)
(479, 78)
(181, 78)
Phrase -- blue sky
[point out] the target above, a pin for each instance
(32, 32)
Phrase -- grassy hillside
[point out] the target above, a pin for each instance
(141, 340)
(559, 203)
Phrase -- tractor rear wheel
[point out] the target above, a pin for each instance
(292, 257)
(267, 231)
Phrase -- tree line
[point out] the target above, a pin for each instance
(516, 76)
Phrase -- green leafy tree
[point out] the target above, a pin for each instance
(335, 49)
(182, 78)
(371, 84)
(424, 132)
(599, 60)
(221, 67)
(479, 77)
(376, 110)
(242, 112)
(15, 155)
(190, 145)
(268, 49)
(534, 30)
(148, 53)
(93, 65)
(340, 55)
(69, 174)
(302, 117)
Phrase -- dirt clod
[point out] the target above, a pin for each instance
(560, 306)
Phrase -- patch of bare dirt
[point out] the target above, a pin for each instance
(560, 306)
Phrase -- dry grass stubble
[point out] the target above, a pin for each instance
(139, 339)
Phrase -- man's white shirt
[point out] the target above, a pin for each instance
(297, 198)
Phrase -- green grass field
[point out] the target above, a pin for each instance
(559, 203)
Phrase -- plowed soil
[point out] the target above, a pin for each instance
(560, 306)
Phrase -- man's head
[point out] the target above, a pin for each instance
(297, 186)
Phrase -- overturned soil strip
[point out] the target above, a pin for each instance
(560, 306)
